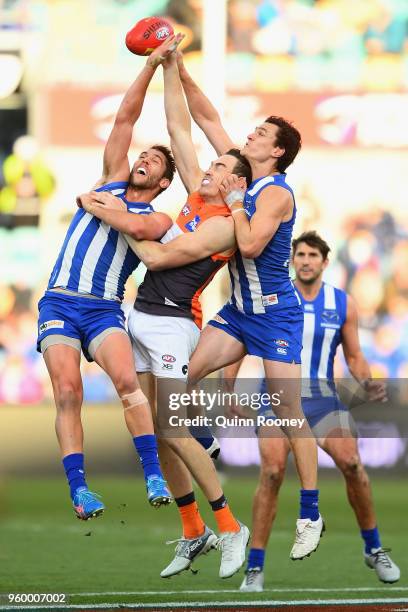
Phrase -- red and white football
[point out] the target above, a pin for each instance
(148, 34)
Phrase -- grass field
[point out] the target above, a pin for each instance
(117, 558)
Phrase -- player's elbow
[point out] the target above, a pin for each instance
(123, 118)
(250, 251)
(137, 233)
(355, 361)
(154, 264)
(172, 128)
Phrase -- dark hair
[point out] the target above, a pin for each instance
(288, 138)
(170, 163)
(242, 166)
(313, 240)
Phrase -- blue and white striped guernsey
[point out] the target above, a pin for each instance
(261, 284)
(96, 259)
(323, 320)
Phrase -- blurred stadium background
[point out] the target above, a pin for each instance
(339, 70)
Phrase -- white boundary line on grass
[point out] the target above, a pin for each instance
(214, 591)
(218, 604)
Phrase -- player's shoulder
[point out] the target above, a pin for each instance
(336, 299)
(117, 188)
(272, 183)
(194, 199)
(267, 189)
(333, 293)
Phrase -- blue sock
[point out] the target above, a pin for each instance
(256, 558)
(74, 469)
(309, 504)
(146, 447)
(371, 538)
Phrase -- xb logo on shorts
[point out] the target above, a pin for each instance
(168, 361)
(186, 210)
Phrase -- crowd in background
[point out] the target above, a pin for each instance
(322, 28)
(309, 43)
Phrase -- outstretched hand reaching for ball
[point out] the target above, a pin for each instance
(161, 53)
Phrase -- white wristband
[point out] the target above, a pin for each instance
(235, 196)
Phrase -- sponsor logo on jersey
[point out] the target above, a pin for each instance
(309, 307)
(169, 358)
(220, 320)
(282, 351)
(54, 324)
(270, 300)
(186, 210)
(330, 318)
(192, 225)
(281, 343)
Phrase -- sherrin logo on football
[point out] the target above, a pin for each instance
(148, 34)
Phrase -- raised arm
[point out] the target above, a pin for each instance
(115, 157)
(179, 127)
(214, 236)
(203, 112)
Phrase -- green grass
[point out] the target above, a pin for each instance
(43, 548)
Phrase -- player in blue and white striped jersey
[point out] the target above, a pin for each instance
(264, 316)
(330, 321)
(81, 308)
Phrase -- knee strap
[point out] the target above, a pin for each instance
(131, 400)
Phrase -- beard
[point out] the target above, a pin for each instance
(148, 182)
(309, 280)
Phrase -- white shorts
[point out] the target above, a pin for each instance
(162, 345)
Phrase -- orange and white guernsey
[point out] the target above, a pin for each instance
(176, 292)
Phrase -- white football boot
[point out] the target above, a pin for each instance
(232, 546)
(188, 550)
(307, 538)
(383, 565)
(253, 581)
